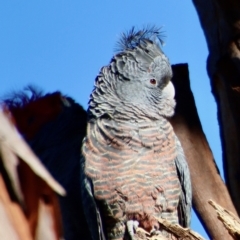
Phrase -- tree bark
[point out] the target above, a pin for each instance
(206, 181)
(221, 25)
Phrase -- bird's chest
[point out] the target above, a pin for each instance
(131, 162)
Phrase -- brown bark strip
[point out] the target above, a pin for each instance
(206, 181)
(12, 219)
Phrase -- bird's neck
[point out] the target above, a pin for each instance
(121, 132)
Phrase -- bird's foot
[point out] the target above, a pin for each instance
(155, 232)
(132, 226)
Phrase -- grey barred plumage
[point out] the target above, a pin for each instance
(134, 165)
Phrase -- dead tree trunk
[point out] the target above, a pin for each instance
(221, 24)
(206, 181)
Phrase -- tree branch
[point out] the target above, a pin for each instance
(206, 181)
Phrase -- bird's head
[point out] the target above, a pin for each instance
(137, 80)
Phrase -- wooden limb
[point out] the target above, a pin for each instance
(13, 222)
(29, 207)
(180, 232)
(221, 24)
(229, 220)
(206, 181)
(10, 139)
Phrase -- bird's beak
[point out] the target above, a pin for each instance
(169, 90)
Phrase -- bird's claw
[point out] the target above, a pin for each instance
(155, 232)
(132, 226)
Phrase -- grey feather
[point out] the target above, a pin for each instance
(121, 82)
(90, 207)
(133, 38)
(185, 204)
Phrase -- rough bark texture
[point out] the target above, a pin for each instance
(229, 220)
(206, 181)
(221, 25)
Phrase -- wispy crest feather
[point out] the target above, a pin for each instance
(134, 37)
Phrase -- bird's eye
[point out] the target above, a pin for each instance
(153, 81)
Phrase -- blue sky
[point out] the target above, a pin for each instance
(61, 45)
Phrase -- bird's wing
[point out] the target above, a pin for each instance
(185, 203)
(91, 209)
